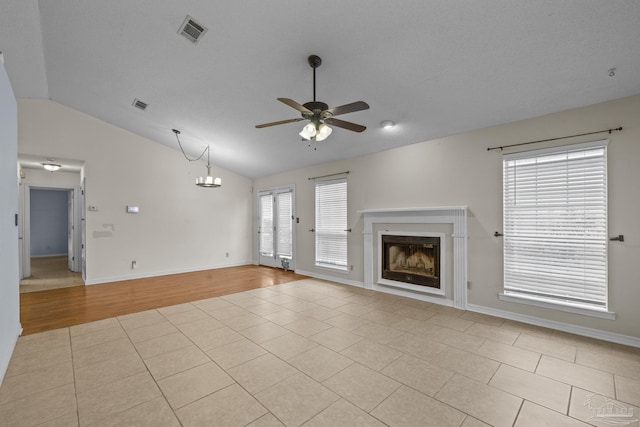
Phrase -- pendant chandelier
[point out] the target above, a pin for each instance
(202, 181)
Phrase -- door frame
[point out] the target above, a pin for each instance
(75, 214)
(274, 191)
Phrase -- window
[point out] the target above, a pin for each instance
(285, 224)
(555, 225)
(331, 224)
(266, 224)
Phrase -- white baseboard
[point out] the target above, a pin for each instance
(330, 278)
(162, 273)
(561, 326)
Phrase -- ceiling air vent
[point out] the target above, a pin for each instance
(139, 104)
(191, 30)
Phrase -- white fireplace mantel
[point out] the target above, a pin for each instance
(455, 215)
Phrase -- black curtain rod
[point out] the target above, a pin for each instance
(327, 176)
(554, 139)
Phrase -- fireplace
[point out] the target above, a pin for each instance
(407, 221)
(411, 259)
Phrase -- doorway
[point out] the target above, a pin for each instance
(51, 238)
(276, 233)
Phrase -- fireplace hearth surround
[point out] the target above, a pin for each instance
(454, 215)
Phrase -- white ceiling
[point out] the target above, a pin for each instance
(436, 68)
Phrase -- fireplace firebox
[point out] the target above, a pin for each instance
(411, 259)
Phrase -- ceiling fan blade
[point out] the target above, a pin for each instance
(349, 108)
(345, 125)
(281, 122)
(293, 104)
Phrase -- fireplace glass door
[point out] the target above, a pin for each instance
(411, 259)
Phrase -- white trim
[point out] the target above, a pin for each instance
(409, 210)
(455, 215)
(560, 326)
(164, 273)
(521, 299)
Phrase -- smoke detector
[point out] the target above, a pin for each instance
(191, 30)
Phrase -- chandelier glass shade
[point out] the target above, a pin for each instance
(208, 181)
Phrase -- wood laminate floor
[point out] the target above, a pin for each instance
(59, 308)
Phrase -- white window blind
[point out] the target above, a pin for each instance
(331, 224)
(285, 224)
(266, 225)
(555, 225)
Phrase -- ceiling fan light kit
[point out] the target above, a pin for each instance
(319, 114)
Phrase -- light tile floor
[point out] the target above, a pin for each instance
(316, 353)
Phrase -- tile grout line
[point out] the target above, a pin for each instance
(149, 372)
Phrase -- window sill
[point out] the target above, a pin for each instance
(603, 314)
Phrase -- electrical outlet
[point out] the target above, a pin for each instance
(133, 264)
(226, 254)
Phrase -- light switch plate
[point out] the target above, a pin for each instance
(133, 209)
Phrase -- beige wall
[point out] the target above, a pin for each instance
(36, 177)
(458, 170)
(180, 227)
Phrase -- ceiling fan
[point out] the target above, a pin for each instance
(319, 114)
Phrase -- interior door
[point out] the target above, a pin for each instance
(26, 231)
(83, 230)
(70, 225)
(275, 229)
(21, 259)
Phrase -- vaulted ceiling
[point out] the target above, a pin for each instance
(435, 67)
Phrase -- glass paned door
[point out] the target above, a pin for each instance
(275, 228)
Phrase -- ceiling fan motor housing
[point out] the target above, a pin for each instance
(317, 111)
